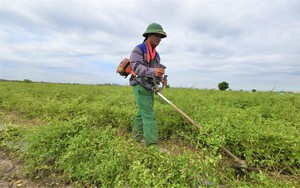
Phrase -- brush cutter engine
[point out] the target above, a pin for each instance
(124, 68)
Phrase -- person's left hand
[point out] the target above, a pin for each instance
(159, 72)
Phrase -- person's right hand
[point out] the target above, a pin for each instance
(159, 72)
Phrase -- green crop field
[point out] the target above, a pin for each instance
(79, 135)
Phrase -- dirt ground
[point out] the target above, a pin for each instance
(10, 174)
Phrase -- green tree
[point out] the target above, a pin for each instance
(27, 81)
(223, 86)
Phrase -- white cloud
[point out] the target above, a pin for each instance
(250, 44)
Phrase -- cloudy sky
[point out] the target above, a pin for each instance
(251, 44)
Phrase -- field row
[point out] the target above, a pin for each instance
(262, 128)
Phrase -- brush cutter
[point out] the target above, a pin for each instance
(124, 69)
(241, 162)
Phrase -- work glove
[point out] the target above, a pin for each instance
(159, 72)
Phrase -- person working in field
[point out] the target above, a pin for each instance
(145, 62)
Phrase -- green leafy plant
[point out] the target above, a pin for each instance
(261, 128)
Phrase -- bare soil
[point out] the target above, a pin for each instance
(11, 175)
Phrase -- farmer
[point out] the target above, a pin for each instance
(144, 61)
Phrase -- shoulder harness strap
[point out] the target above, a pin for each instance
(143, 47)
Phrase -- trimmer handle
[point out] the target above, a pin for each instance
(161, 66)
(165, 77)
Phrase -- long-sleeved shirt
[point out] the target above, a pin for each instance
(145, 71)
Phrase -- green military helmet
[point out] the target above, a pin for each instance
(155, 28)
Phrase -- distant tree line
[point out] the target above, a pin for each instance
(224, 85)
